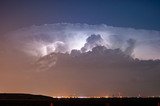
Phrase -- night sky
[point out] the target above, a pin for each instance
(143, 14)
(80, 47)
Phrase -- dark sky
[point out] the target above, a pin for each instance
(143, 14)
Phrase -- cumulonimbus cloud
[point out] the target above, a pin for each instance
(61, 59)
(41, 40)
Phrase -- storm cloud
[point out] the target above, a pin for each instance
(38, 40)
(81, 59)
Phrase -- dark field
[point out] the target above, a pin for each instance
(30, 100)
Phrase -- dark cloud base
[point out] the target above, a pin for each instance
(102, 70)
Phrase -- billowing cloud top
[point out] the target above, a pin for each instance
(44, 39)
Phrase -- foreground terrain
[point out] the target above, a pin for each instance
(38, 100)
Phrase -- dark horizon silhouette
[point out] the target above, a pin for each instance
(14, 99)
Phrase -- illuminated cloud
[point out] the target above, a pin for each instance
(93, 41)
(64, 59)
(41, 40)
